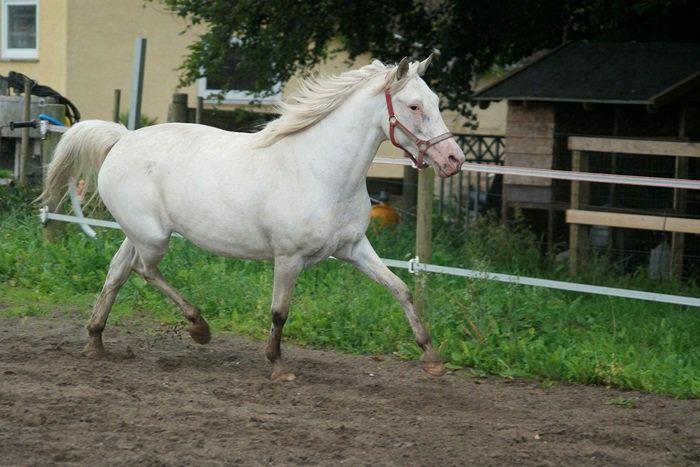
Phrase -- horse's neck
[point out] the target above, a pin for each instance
(340, 148)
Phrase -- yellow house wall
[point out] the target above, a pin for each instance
(50, 67)
(101, 48)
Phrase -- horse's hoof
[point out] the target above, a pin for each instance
(94, 349)
(432, 364)
(434, 368)
(199, 331)
(284, 377)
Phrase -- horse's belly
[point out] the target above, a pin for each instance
(227, 240)
(244, 228)
(241, 209)
(250, 234)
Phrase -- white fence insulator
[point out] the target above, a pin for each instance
(45, 127)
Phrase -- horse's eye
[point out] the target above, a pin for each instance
(413, 107)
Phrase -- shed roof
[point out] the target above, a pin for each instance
(599, 72)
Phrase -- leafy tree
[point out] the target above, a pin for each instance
(278, 38)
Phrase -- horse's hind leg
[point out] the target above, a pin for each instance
(119, 269)
(147, 266)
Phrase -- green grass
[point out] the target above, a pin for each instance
(491, 327)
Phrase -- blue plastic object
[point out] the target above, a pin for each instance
(51, 120)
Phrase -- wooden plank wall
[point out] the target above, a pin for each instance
(577, 218)
(530, 136)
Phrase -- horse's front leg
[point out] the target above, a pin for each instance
(287, 270)
(365, 259)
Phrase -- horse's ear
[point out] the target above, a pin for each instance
(402, 69)
(422, 66)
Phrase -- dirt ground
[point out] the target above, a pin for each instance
(160, 399)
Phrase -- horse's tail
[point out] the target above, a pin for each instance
(79, 155)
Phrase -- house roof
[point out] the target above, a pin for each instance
(614, 73)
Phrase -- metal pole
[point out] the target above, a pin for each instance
(26, 150)
(137, 83)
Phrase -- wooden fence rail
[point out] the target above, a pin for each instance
(579, 220)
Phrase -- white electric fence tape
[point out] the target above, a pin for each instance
(564, 175)
(415, 266)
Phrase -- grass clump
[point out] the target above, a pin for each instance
(495, 328)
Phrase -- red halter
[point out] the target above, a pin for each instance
(421, 144)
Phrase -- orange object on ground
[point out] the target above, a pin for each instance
(384, 215)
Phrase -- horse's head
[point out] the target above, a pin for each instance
(415, 123)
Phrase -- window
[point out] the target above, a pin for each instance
(20, 32)
(209, 87)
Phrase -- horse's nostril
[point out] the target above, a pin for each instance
(453, 159)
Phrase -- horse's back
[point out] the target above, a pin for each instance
(179, 177)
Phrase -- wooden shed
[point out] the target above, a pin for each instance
(620, 108)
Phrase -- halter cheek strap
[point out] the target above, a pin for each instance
(421, 144)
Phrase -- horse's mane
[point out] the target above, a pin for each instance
(319, 95)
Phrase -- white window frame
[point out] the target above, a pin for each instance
(236, 96)
(15, 53)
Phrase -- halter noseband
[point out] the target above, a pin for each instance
(421, 144)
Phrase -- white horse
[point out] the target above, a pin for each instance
(294, 192)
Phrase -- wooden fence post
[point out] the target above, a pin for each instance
(424, 232)
(578, 234)
(26, 148)
(410, 187)
(200, 110)
(116, 104)
(680, 201)
(52, 229)
(178, 108)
